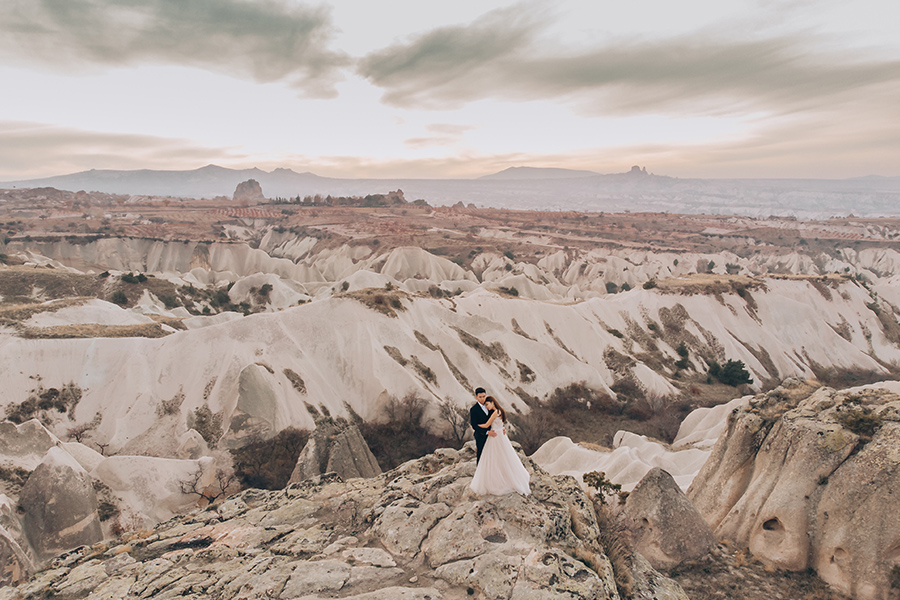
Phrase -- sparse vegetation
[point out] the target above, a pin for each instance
(207, 423)
(733, 373)
(223, 482)
(402, 433)
(296, 381)
(423, 370)
(383, 301)
(456, 419)
(172, 406)
(17, 476)
(604, 487)
(268, 464)
(861, 421)
(494, 351)
(42, 400)
(588, 415)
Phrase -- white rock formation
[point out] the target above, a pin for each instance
(811, 481)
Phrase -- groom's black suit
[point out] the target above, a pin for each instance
(479, 416)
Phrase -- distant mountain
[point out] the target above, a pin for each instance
(205, 182)
(537, 173)
(525, 188)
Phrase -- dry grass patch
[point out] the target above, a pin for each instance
(16, 313)
(387, 302)
(93, 330)
(19, 284)
(710, 284)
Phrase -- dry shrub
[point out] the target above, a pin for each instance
(268, 464)
(387, 302)
(490, 352)
(861, 421)
(296, 381)
(41, 400)
(171, 406)
(423, 370)
(207, 423)
(402, 434)
(586, 415)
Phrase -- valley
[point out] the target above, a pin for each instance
(154, 337)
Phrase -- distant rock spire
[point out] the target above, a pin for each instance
(249, 192)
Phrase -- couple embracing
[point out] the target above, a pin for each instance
(499, 470)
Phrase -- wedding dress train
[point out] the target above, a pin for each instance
(500, 471)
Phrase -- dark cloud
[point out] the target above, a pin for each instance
(266, 40)
(36, 150)
(436, 68)
(503, 56)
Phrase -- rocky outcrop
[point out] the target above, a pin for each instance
(16, 559)
(415, 533)
(810, 481)
(335, 449)
(248, 192)
(60, 506)
(24, 445)
(667, 528)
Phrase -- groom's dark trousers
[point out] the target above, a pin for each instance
(478, 416)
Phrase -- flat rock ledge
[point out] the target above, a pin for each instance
(414, 533)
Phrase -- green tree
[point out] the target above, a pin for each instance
(733, 373)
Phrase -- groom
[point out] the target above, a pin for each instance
(479, 415)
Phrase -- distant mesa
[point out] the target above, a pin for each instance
(636, 170)
(249, 192)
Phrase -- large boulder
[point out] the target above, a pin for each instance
(60, 506)
(153, 489)
(668, 528)
(811, 481)
(339, 449)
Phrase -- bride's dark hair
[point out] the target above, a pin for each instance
(497, 407)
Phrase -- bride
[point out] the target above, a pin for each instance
(499, 471)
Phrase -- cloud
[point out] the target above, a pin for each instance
(504, 55)
(434, 68)
(32, 150)
(443, 134)
(265, 40)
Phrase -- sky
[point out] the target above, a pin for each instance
(427, 89)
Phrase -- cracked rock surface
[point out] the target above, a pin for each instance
(414, 533)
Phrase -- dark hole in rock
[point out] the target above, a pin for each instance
(773, 525)
(496, 538)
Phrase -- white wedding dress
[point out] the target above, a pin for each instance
(499, 471)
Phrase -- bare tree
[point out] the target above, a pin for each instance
(79, 432)
(456, 419)
(191, 486)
